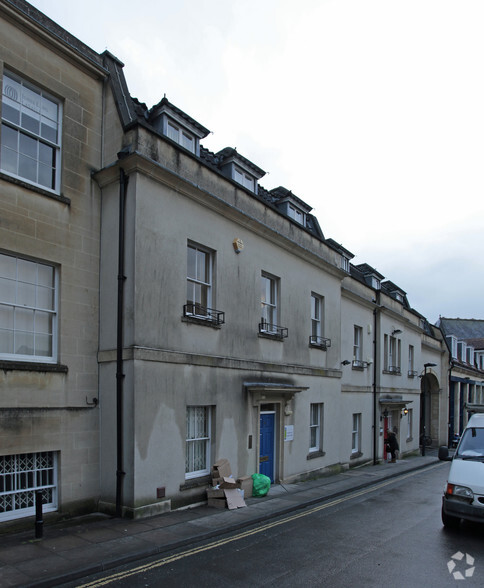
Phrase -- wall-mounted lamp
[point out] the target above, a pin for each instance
(385, 413)
(396, 332)
(345, 362)
(404, 412)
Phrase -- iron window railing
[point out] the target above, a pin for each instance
(321, 342)
(394, 369)
(412, 373)
(266, 328)
(358, 363)
(210, 315)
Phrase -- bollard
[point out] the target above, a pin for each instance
(39, 523)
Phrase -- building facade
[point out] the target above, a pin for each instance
(50, 138)
(465, 341)
(194, 314)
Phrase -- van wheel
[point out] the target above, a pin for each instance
(449, 521)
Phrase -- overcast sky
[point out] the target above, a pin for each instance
(371, 111)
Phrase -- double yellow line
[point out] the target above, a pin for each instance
(249, 533)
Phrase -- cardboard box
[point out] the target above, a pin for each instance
(217, 502)
(228, 483)
(215, 493)
(235, 499)
(221, 469)
(246, 484)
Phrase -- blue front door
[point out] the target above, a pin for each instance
(266, 456)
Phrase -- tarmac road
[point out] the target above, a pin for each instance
(389, 534)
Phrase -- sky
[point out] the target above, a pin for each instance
(371, 111)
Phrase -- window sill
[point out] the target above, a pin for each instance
(19, 182)
(200, 321)
(315, 454)
(195, 483)
(389, 373)
(356, 454)
(27, 366)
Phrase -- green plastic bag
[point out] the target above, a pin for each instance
(261, 485)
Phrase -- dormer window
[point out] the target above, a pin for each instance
(173, 123)
(243, 178)
(375, 283)
(239, 169)
(181, 136)
(295, 214)
(345, 264)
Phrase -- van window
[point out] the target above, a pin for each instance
(472, 444)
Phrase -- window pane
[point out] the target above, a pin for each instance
(43, 345)
(27, 168)
(191, 262)
(24, 343)
(7, 290)
(28, 146)
(9, 137)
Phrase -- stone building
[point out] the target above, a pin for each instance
(51, 140)
(192, 313)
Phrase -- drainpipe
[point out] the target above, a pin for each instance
(123, 184)
(375, 374)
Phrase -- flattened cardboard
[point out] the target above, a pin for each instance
(234, 499)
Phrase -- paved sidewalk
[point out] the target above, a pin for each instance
(83, 546)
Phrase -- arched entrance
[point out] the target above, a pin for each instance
(429, 410)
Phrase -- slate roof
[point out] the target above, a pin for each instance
(463, 329)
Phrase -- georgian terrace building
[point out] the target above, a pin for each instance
(161, 309)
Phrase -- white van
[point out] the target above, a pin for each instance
(464, 492)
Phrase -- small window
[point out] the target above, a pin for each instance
(295, 214)
(243, 178)
(197, 458)
(345, 264)
(31, 134)
(316, 319)
(357, 346)
(410, 423)
(355, 434)
(176, 133)
(199, 279)
(28, 310)
(269, 300)
(21, 476)
(316, 427)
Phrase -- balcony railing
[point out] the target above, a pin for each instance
(272, 330)
(202, 313)
(321, 342)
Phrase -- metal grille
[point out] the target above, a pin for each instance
(20, 477)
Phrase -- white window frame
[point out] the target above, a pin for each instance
(269, 302)
(180, 135)
(22, 315)
(243, 178)
(358, 344)
(316, 414)
(295, 214)
(317, 316)
(197, 281)
(345, 264)
(356, 433)
(20, 477)
(32, 147)
(409, 423)
(193, 437)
